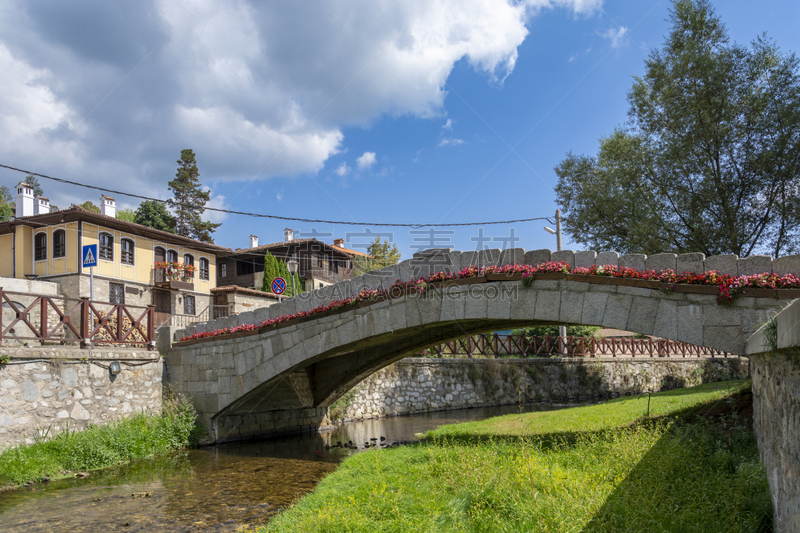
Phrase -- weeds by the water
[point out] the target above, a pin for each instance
(597, 468)
(140, 435)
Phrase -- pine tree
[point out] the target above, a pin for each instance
(89, 206)
(189, 201)
(34, 183)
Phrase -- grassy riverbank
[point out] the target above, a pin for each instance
(135, 437)
(692, 466)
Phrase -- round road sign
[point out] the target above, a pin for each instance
(278, 286)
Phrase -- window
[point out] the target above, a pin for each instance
(188, 305)
(223, 270)
(116, 293)
(106, 247)
(40, 246)
(127, 251)
(59, 243)
(204, 268)
(172, 256)
(244, 268)
(188, 260)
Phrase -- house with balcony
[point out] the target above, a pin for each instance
(319, 263)
(137, 265)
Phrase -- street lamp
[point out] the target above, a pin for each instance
(292, 265)
(562, 330)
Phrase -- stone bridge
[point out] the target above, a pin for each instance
(276, 380)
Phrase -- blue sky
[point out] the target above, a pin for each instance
(382, 120)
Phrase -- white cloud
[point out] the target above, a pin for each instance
(342, 170)
(451, 142)
(279, 196)
(256, 89)
(448, 125)
(366, 160)
(616, 36)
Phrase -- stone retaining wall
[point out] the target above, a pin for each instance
(776, 410)
(54, 387)
(416, 385)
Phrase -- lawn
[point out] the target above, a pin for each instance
(693, 465)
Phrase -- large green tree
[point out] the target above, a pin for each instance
(128, 215)
(710, 159)
(189, 200)
(155, 215)
(381, 254)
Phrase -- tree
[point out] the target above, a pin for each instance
(89, 206)
(34, 183)
(381, 254)
(128, 215)
(273, 268)
(189, 201)
(155, 215)
(6, 211)
(552, 331)
(710, 160)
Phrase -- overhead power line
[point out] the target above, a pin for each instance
(275, 217)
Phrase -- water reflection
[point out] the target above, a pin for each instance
(212, 489)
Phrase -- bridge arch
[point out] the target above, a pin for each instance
(283, 379)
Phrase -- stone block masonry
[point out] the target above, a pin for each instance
(52, 388)
(416, 385)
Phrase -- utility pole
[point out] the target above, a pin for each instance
(562, 330)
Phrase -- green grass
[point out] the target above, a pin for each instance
(596, 468)
(138, 436)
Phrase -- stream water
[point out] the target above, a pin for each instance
(211, 489)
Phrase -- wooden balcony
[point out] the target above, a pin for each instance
(172, 282)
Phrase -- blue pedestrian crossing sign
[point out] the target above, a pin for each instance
(278, 286)
(89, 255)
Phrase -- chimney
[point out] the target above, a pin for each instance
(41, 206)
(108, 206)
(253, 241)
(288, 234)
(338, 242)
(24, 200)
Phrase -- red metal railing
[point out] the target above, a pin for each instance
(57, 319)
(493, 345)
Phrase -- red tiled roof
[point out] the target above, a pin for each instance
(267, 247)
(82, 213)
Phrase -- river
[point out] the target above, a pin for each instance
(215, 489)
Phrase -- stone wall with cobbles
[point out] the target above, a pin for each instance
(416, 385)
(51, 388)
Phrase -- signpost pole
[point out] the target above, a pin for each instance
(89, 259)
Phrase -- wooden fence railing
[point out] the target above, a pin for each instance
(26, 317)
(494, 345)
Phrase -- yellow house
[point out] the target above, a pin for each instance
(38, 244)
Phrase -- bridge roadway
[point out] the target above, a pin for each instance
(282, 380)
